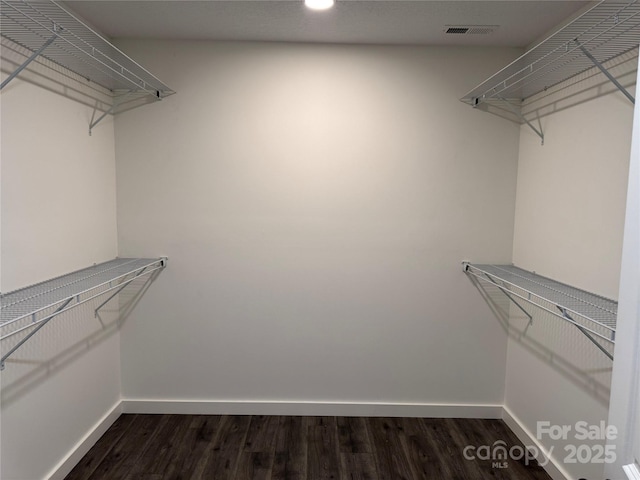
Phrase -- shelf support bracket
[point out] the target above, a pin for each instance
(510, 297)
(606, 72)
(518, 114)
(115, 105)
(124, 284)
(40, 324)
(503, 289)
(35, 55)
(566, 315)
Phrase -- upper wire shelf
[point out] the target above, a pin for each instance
(594, 315)
(48, 31)
(604, 32)
(29, 309)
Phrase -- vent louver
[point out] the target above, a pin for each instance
(470, 29)
(458, 30)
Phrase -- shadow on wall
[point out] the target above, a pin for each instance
(553, 341)
(65, 339)
(582, 88)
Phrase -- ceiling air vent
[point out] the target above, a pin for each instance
(458, 30)
(470, 29)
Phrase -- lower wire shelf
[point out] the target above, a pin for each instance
(595, 316)
(29, 309)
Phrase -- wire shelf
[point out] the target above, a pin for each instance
(606, 31)
(76, 46)
(29, 309)
(593, 314)
(56, 38)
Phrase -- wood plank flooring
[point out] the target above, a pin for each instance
(181, 447)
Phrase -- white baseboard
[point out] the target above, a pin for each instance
(346, 409)
(84, 445)
(555, 470)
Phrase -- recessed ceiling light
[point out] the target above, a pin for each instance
(319, 4)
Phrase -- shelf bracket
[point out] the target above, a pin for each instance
(518, 114)
(566, 315)
(117, 102)
(35, 55)
(40, 324)
(124, 284)
(503, 289)
(606, 72)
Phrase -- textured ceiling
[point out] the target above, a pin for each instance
(519, 22)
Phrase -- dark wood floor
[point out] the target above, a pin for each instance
(155, 447)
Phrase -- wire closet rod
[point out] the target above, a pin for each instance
(77, 47)
(67, 300)
(531, 297)
(64, 293)
(606, 30)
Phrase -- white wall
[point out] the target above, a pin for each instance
(58, 215)
(569, 223)
(315, 203)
